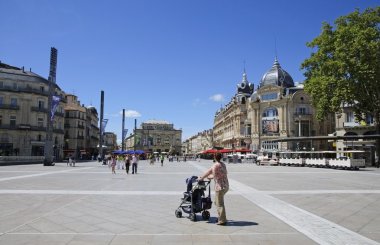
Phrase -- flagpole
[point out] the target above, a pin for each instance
(101, 124)
(122, 132)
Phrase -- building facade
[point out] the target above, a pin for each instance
(155, 136)
(110, 141)
(81, 130)
(92, 131)
(198, 143)
(347, 124)
(253, 119)
(24, 113)
(231, 126)
(75, 125)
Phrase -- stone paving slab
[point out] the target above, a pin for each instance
(86, 204)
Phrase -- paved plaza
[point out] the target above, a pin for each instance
(87, 204)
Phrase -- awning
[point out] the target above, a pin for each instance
(210, 151)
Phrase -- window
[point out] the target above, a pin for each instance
(42, 88)
(39, 138)
(301, 111)
(269, 96)
(1, 120)
(13, 101)
(1, 100)
(12, 121)
(41, 104)
(40, 122)
(270, 112)
(350, 116)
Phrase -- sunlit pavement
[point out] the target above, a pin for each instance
(87, 204)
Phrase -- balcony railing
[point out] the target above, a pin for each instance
(39, 109)
(9, 107)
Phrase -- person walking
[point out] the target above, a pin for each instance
(134, 163)
(127, 163)
(162, 160)
(113, 164)
(218, 171)
(151, 159)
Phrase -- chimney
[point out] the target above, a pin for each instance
(53, 64)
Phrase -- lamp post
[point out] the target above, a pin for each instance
(48, 149)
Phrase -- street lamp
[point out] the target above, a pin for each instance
(48, 149)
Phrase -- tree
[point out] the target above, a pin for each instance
(344, 67)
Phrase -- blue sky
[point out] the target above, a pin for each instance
(172, 60)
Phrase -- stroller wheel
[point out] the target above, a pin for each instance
(193, 217)
(178, 213)
(205, 215)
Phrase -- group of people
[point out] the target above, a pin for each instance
(123, 162)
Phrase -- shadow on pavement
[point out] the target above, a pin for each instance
(240, 223)
(234, 222)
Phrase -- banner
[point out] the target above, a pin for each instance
(54, 104)
(270, 126)
(125, 133)
(104, 124)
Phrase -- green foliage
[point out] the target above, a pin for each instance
(345, 65)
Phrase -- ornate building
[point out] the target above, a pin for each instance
(155, 136)
(277, 108)
(231, 126)
(24, 113)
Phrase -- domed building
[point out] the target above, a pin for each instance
(281, 108)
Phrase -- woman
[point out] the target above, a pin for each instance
(113, 164)
(218, 171)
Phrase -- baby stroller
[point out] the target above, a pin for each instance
(194, 199)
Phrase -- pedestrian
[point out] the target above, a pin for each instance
(134, 163)
(162, 160)
(113, 164)
(218, 171)
(151, 159)
(127, 163)
(71, 161)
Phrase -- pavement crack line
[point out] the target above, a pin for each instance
(316, 228)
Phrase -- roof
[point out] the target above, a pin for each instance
(277, 76)
(17, 71)
(153, 121)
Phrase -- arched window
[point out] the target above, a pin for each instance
(270, 112)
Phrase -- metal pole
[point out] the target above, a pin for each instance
(122, 132)
(134, 138)
(101, 124)
(48, 149)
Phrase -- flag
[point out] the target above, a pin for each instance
(125, 133)
(54, 104)
(104, 124)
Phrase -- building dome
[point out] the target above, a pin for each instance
(277, 76)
